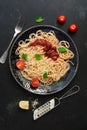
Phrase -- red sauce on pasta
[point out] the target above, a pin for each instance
(50, 51)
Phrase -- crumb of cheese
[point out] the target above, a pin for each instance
(24, 105)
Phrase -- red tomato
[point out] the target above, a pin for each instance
(20, 64)
(73, 28)
(61, 19)
(35, 82)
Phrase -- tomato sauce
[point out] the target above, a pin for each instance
(50, 51)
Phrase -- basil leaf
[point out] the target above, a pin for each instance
(39, 19)
(62, 50)
(38, 56)
(45, 75)
(24, 56)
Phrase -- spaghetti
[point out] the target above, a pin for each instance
(46, 57)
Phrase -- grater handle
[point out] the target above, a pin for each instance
(70, 92)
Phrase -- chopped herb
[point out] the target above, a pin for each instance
(45, 75)
(38, 56)
(35, 103)
(24, 56)
(39, 19)
(62, 50)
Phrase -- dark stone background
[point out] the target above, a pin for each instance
(72, 113)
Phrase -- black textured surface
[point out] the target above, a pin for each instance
(72, 113)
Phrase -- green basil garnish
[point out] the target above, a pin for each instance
(45, 75)
(39, 19)
(62, 50)
(24, 56)
(38, 56)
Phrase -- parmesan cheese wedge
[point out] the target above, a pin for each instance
(24, 104)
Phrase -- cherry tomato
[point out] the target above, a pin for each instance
(61, 18)
(35, 82)
(73, 28)
(20, 64)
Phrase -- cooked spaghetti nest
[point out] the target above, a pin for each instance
(36, 68)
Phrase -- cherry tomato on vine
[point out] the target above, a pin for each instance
(61, 19)
(73, 28)
(35, 82)
(20, 64)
